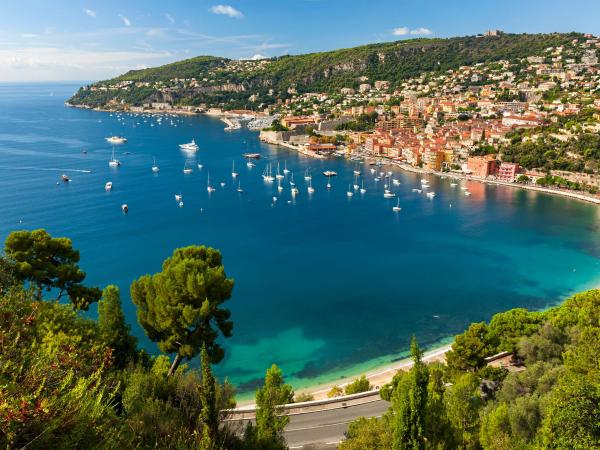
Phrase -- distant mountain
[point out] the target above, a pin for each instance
(230, 83)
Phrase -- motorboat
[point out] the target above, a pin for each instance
(116, 140)
(108, 186)
(189, 147)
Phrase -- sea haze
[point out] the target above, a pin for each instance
(325, 285)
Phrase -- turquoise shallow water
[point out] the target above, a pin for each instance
(325, 286)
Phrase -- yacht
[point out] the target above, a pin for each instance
(311, 189)
(190, 146)
(200, 166)
(65, 178)
(250, 164)
(108, 186)
(397, 207)
(307, 175)
(279, 186)
(373, 171)
(181, 204)
(294, 190)
(430, 194)
(362, 189)
(155, 168)
(467, 193)
(396, 182)
(292, 181)
(388, 194)
(239, 188)
(330, 173)
(178, 197)
(417, 190)
(453, 184)
(267, 176)
(356, 186)
(349, 193)
(233, 172)
(116, 140)
(251, 155)
(285, 169)
(187, 170)
(278, 175)
(125, 208)
(328, 185)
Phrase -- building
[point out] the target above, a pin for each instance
(482, 166)
(433, 159)
(507, 172)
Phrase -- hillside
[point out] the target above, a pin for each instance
(229, 83)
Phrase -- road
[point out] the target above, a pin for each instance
(324, 429)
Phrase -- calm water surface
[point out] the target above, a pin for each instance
(325, 285)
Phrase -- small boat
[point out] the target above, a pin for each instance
(285, 169)
(397, 207)
(267, 176)
(278, 175)
(453, 184)
(464, 188)
(417, 190)
(114, 162)
(108, 186)
(307, 175)
(430, 194)
(396, 182)
(239, 188)
(125, 208)
(295, 191)
(181, 204)
(189, 147)
(292, 183)
(187, 170)
(329, 173)
(373, 171)
(155, 168)
(209, 188)
(467, 193)
(222, 184)
(328, 185)
(377, 179)
(250, 164)
(178, 197)
(200, 166)
(388, 194)
(279, 186)
(362, 189)
(234, 174)
(251, 155)
(116, 140)
(355, 186)
(84, 152)
(349, 193)
(65, 178)
(310, 189)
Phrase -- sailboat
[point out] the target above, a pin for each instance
(285, 169)
(267, 174)
(349, 193)
(155, 168)
(292, 181)
(311, 189)
(294, 190)
(233, 172)
(356, 170)
(397, 207)
(239, 188)
(113, 161)
(187, 170)
(355, 181)
(209, 188)
(362, 189)
(307, 175)
(279, 186)
(278, 175)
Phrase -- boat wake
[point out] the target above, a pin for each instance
(47, 169)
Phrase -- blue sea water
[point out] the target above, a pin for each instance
(325, 285)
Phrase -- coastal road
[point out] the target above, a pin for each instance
(324, 429)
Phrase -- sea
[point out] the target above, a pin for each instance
(326, 285)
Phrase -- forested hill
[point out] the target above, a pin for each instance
(221, 81)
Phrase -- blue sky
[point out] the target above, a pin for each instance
(50, 40)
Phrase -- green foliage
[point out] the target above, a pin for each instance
(276, 126)
(508, 327)
(181, 309)
(372, 434)
(49, 264)
(304, 397)
(269, 421)
(208, 396)
(471, 348)
(359, 385)
(463, 404)
(363, 122)
(335, 391)
(114, 330)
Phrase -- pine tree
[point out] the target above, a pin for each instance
(269, 421)
(113, 328)
(208, 397)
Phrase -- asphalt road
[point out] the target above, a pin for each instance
(325, 429)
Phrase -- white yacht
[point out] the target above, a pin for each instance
(108, 186)
(187, 170)
(349, 193)
(116, 140)
(190, 146)
(250, 164)
(285, 169)
(178, 197)
(307, 175)
(388, 194)
(356, 186)
(278, 174)
(311, 189)
(294, 190)
(239, 188)
(397, 207)
(362, 189)
(396, 182)
(125, 208)
(114, 162)
(430, 194)
(279, 186)
(155, 168)
(467, 193)
(233, 172)
(209, 188)
(267, 176)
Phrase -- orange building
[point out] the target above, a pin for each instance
(482, 166)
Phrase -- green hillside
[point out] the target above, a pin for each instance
(229, 83)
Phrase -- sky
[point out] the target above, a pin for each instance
(88, 40)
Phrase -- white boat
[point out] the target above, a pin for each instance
(187, 170)
(250, 164)
(116, 140)
(222, 184)
(311, 189)
(453, 184)
(278, 174)
(200, 166)
(239, 188)
(292, 181)
(328, 185)
(125, 208)
(467, 193)
(397, 207)
(190, 146)
(178, 197)
(181, 204)
(373, 171)
(329, 173)
(155, 168)
(362, 189)
(349, 193)
(430, 194)
(114, 162)
(233, 172)
(285, 169)
(294, 190)
(267, 174)
(108, 186)
(307, 175)
(279, 186)
(464, 188)
(355, 186)
(209, 188)
(388, 194)
(417, 190)
(396, 182)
